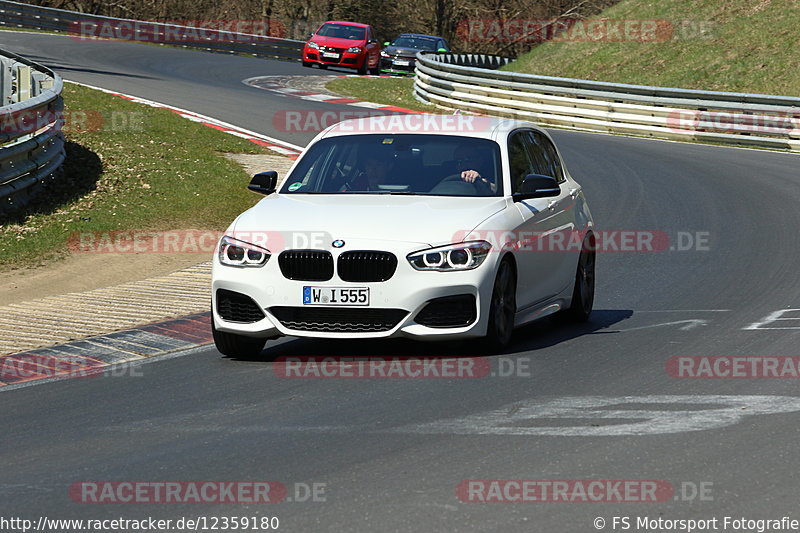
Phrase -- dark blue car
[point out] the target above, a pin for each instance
(399, 56)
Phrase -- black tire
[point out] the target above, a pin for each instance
(502, 308)
(376, 71)
(362, 70)
(306, 63)
(238, 346)
(323, 67)
(583, 293)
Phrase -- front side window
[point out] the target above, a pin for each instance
(519, 159)
(419, 164)
(550, 164)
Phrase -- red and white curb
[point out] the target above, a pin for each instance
(272, 84)
(282, 147)
(90, 357)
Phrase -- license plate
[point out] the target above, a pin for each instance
(401, 63)
(335, 295)
(330, 55)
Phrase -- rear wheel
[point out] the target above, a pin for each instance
(502, 308)
(234, 345)
(583, 293)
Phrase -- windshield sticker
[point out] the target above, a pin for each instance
(294, 186)
(388, 141)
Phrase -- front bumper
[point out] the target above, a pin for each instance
(345, 59)
(399, 299)
(398, 65)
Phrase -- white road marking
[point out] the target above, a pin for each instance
(688, 325)
(599, 416)
(775, 317)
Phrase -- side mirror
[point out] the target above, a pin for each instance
(264, 182)
(537, 186)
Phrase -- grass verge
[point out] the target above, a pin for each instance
(387, 91)
(717, 45)
(129, 167)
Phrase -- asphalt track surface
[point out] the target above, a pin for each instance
(380, 446)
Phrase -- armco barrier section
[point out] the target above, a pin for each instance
(471, 82)
(84, 25)
(31, 119)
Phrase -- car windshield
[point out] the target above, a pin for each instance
(343, 31)
(420, 164)
(418, 43)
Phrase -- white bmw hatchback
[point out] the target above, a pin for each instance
(422, 226)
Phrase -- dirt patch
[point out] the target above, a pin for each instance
(255, 163)
(83, 272)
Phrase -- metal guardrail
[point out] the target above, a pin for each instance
(83, 25)
(469, 82)
(31, 141)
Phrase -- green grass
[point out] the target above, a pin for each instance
(749, 46)
(388, 91)
(159, 172)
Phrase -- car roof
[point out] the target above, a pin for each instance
(422, 123)
(359, 24)
(419, 35)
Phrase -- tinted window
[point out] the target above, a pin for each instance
(518, 159)
(397, 164)
(343, 31)
(549, 156)
(418, 43)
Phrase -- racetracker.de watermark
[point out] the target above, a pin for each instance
(605, 241)
(487, 30)
(580, 491)
(748, 122)
(401, 367)
(30, 122)
(179, 31)
(206, 241)
(731, 367)
(180, 492)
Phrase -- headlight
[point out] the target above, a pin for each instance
(354, 49)
(384, 54)
(312, 44)
(462, 256)
(233, 252)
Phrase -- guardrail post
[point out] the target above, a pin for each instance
(23, 83)
(6, 79)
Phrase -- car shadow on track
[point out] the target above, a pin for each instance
(555, 330)
(541, 334)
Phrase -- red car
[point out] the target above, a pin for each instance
(343, 44)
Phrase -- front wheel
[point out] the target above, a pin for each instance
(502, 308)
(305, 63)
(583, 293)
(234, 345)
(362, 70)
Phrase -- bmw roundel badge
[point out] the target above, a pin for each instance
(338, 243)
